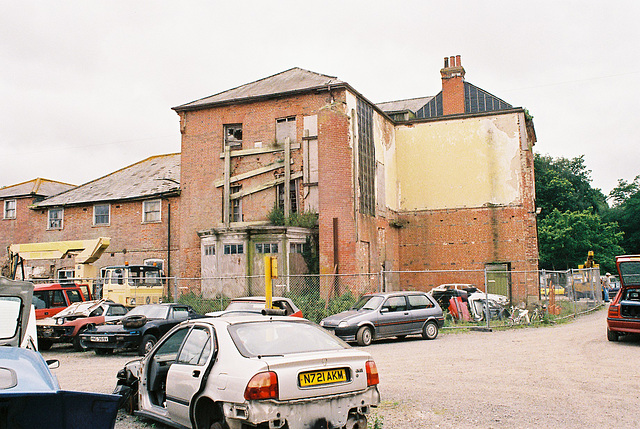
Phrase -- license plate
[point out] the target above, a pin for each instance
(99, 339)
(318, 378)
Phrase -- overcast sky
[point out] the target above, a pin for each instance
(86, 87)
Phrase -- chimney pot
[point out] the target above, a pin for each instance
(452, 61)
(446, 62)
(458, 61)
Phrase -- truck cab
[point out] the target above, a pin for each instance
(133, 285)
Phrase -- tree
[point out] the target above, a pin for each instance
(626, 212)
(565, 184)
(565, 238)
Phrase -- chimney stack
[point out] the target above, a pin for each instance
(452, 86)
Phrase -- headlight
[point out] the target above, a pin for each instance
(343, 324)
(322, 323)
(60, 321)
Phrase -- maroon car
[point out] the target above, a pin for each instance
(624, 311)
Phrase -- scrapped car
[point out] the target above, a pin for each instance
(140, 329)
(390, 314)
(444, 292)
(255, 304)
(244, 371)
(67, 325)
(624, 311)
(497, 305)
(30, 396)
(51, 298)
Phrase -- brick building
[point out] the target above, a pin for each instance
(441, 182)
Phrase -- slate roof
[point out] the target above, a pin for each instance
(412, 104)
(289, 81)
(151, 177)
(36, 187)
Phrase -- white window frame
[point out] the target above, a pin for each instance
(145, 211)
(8, 209)
(108, 223)
(209, 250)
(51, 221)
(233, 249)
(296, 248)
(261, 248)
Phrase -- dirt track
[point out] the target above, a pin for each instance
(566, 376)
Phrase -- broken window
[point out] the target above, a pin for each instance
(55, 218)
(151, 211)
(101, 214)
(285, 127)
(293, 196)
(233, 136)
(366, 158)
(235, 204)
(10, 209)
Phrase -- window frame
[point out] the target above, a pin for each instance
(6, 208)
(297, 248)
(146, 211)
(52, 222)
(261, 248)
(108, 223)
(209, 249)
(233, 249)
(235, 204)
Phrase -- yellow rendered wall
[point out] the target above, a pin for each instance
(458, 163)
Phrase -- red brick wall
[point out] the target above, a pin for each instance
(202, 144)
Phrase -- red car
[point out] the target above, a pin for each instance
(624, 311)
(51, 298)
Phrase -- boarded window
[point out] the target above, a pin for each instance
(285, 127)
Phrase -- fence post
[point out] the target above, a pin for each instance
(175, 289)
(486, 298)
(382, 278)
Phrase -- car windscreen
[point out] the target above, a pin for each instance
(630, 273)
(150, 311)
(275, 338)
(368, 303)
(245, 305)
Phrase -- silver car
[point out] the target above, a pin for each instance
(389, 314)
(241, 371)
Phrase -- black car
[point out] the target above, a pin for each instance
(392, 314)
(140, 329)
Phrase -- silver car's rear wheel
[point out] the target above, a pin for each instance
(429, 331)
(364, 336)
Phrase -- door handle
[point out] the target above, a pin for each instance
(196, 373)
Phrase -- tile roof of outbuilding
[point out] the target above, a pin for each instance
(35, 187)
(154, 176)
(412, 104)
(289, 81)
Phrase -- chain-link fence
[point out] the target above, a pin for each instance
(485, 298)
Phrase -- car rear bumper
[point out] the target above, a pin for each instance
(617, 324)
(330, 411)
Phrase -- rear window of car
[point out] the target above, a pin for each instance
(419, 301)
(630, 272)
(274, 338)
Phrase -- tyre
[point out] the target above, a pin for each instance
(44, 344)
(103, 352)
(430, 331)
(219, 425)
(364, 336)
(134, 321)
(612, 335)
(78, 344)
(147, 343)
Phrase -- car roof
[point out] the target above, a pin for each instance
(246, 317)
(258, 298)
(397, 293)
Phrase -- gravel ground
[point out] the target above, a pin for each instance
(566, 376)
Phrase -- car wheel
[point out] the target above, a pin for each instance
(78, 343)
(364, 336)
(104, 352)
(612, 335)
(44, 344)
(219, 425)
(148, 341)
(430, 331)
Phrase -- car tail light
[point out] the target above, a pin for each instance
(263, 385)
(614, 311)
(372, 373)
